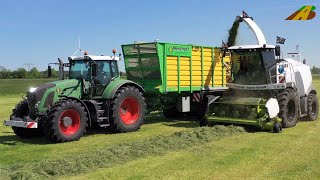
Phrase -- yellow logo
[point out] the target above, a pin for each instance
(304, 13)
(58, 90)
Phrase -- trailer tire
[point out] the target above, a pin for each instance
(288, 104)
(127, 110)
(21, 110)
(67, 121)
(313, 107)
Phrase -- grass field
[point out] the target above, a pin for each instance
(162, 149)
(19, 86)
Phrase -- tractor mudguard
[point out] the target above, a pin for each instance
(113, 87)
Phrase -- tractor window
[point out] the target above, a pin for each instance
(247, 68)
(79, 69)
(106, 70)
(114, 67)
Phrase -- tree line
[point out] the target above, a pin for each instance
(315, 70)
(22, 73)
(34, 73)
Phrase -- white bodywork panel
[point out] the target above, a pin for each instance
(94, 58)
(302, 76)
(273, 107)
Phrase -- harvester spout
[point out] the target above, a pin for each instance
(254, 27)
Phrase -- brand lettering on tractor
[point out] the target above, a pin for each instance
(304, 13)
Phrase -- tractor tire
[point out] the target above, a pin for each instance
(21, 110)
(288, 104)
(313, 107)
(67, 121)
(127, 110)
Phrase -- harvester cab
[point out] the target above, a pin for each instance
(264, 89)
(93, 95)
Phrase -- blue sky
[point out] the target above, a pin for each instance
(40, 31)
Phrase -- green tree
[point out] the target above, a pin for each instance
(34, 73)
(5, 74)
(315, 70)
(19, 73)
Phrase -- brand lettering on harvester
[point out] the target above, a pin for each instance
(179, 49)
(304, 13)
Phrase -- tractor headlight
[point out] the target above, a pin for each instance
(33, 89)
(272, 107)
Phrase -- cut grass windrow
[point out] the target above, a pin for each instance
(118, 154)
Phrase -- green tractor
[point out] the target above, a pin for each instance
(93, 95)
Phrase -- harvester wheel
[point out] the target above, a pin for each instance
(67, 121)
(21, 110)
(127, 110)
(277, 128)
(288, 104)
(313, 107)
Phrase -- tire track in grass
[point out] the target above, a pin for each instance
(118, 154)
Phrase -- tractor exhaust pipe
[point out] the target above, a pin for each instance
(61, 69)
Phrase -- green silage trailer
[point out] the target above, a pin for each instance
(175, 76)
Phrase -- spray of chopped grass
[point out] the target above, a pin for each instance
(233, 32)
(118, 154)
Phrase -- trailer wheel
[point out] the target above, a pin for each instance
(67, 121)
(288, 104)
(127, 110)
(313, 107)
(22, 109)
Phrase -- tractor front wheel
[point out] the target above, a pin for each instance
(67, 121)
(127, 110)
(288, 104)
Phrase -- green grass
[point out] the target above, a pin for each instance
(19, 86)
(164, 149)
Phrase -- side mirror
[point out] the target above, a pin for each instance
(94, 69)
(277, 50)
(49, 71)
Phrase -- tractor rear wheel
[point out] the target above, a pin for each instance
(127, 110)
(67, 121)
(288, 104)
(313, 107)
(21, 110)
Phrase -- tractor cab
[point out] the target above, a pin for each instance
(95, 71)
